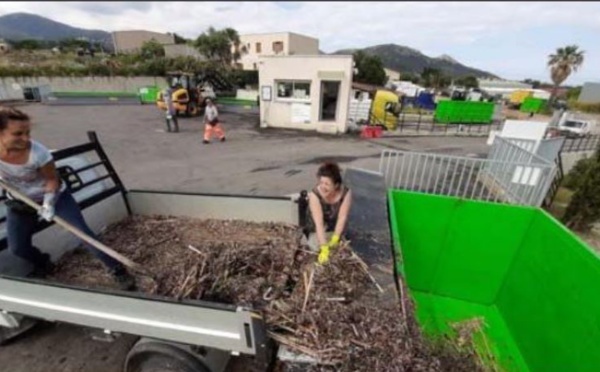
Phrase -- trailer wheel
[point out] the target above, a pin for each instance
(161, 357)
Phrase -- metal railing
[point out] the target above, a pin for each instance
(588, 143)
(509, 175)
(526, 144)
(555, 184)
(417, 122)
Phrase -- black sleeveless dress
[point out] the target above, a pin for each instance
(330, 212)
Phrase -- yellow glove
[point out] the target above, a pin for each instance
(324, 255)
(334, 241)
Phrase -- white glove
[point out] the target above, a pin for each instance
(47, 210)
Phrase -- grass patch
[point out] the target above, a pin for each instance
(235, 102)
(563, 195)
(94, 94)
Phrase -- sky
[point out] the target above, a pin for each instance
(510, 39)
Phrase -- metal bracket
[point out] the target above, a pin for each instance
(9, 320)
(106, 336)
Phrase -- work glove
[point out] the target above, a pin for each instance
(334, 241)
(324, 255)
(47, 210)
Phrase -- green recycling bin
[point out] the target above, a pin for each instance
(531, 286)
(148, 94)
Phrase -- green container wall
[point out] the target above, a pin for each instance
(531, 104)
(535, 284)
(464, 112)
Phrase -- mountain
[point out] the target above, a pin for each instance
(408, 60)
(19, 26)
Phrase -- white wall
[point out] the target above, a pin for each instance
(278, 112)
(246, 94)
(10, 91)
(359, 110)
(84, 84)
(295, 44)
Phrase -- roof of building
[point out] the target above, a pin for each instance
(148, 31)
(279, 33)
(498, 83)
(369, 87)
(590, 93)
(308, 56)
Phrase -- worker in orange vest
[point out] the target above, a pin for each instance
(211, 123)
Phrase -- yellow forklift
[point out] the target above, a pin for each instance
(189, 93)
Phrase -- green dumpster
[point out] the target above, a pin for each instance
(532, 285)
(464, 112)
(531, 104)
(148, 94)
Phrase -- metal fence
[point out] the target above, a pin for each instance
(424, 122)
(510, 174)
(588, 143)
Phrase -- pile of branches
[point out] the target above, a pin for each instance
(232, 262)
(332, 313)
(335, 316)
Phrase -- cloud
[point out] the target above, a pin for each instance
(111, 8)
(455, 28)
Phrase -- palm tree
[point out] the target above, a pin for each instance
(562, 63)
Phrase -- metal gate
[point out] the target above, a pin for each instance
(510, 174)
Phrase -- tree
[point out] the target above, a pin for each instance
(180, 39)
(535, 84)
(221, 46)
(73, 44)
(410, 77)
(152, 49)
(27, 44)
(434, 78)
(584, 208)
(573, 93)
(562, 63)
(369, 69)
(469, 81)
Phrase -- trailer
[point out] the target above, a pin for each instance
(175, 335)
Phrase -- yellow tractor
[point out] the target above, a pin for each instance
(188, 94)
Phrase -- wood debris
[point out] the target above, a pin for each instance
(329, 312)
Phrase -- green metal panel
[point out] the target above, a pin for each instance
(464, 112)
(551, 299)
(458, 248)
(436, 314)
(148, 94)
(531, 104)
(535, 285)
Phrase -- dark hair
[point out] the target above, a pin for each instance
(8, 113)
(330, 170)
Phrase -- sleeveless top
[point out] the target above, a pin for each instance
(27, 177)
(330, 211)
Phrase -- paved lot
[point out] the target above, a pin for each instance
(252, 161)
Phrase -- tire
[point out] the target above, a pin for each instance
(161, 357)
(191, 110)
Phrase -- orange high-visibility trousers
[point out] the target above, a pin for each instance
(216, 129)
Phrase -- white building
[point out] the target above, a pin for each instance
(254, 46)
(182, 50)
(131, 41)
(406, 88)
(502, 87)
(310, 92)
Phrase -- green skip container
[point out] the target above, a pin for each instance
(531, 284)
